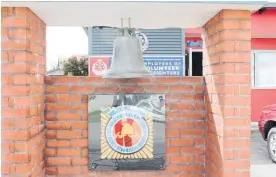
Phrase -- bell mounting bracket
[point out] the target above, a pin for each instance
(126, 31)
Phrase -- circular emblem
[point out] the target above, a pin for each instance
(144, 43)
(127, 131)
(99, 67)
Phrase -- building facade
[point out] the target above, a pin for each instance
(263, 65)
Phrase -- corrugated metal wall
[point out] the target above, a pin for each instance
(162, 42)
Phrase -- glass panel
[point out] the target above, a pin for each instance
(265, 69)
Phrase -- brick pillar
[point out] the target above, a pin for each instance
(227, 39)
(23, 70)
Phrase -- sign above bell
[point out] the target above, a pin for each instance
(127, 59)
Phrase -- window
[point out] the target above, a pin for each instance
(264, 69)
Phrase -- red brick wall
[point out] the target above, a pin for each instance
(227, 73)
(23, 68)
(66, 123)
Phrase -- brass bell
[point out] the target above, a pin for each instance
(127, 59)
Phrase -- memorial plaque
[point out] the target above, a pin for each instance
(126, 132)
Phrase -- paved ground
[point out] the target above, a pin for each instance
(261, 165)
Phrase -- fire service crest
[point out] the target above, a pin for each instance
(126, 132)
(123, 132)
